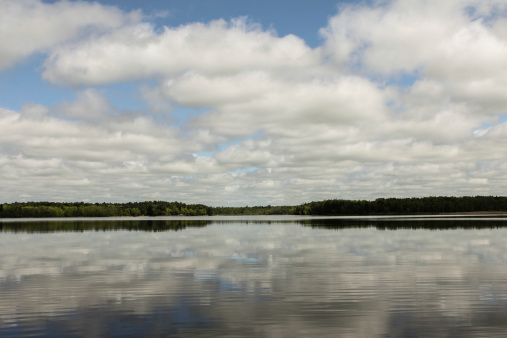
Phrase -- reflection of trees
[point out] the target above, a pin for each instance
(401, 223)
(175, 225)
(87, 225)
(315, 283)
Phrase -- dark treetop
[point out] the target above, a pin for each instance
(380, 206)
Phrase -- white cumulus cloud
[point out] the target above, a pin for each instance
(30, 26)
(403, 98)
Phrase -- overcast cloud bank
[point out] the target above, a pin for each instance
(402, 99)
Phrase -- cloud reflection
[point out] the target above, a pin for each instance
(257, 279)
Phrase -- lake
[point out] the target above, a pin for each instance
(269, 276)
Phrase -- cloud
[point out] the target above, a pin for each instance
(238, 115)
(401, 36)
(90, 105)
(453, 48)
(138, 52)
(30, 26)
(285, 107)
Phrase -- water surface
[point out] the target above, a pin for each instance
(268, 276)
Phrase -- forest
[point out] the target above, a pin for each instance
(405, 206)
(82, 209)
(380, 206)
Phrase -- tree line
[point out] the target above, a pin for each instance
(254, 210)
(380, 206)
(388, 206)
(82, 209)
(149, 208)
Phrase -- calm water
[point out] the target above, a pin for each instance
(266, 277)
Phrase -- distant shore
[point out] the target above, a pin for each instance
(441, 205)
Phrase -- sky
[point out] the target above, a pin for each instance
(231, 103)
